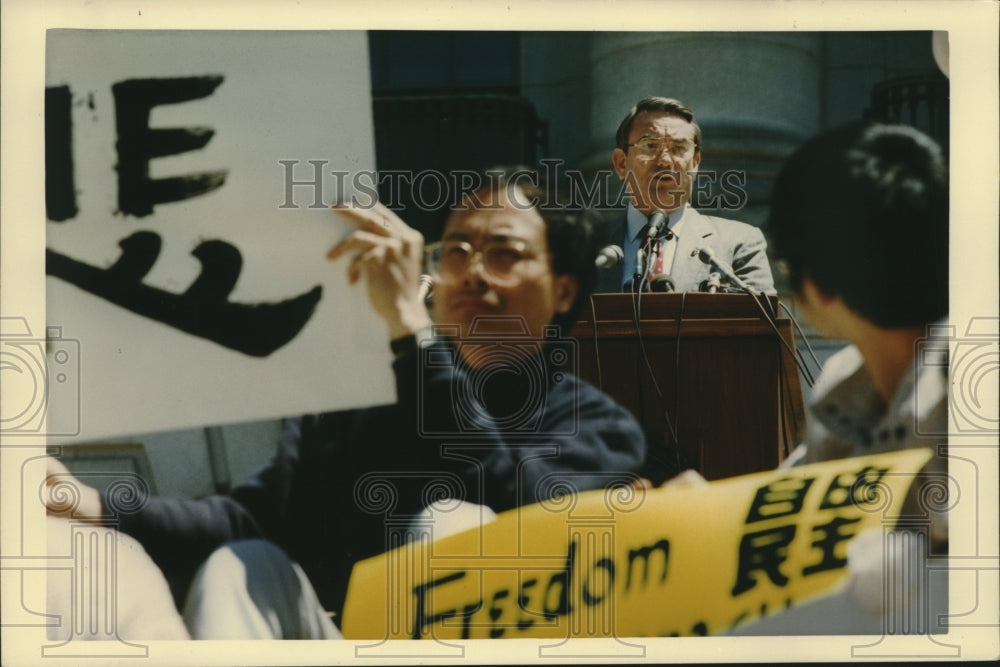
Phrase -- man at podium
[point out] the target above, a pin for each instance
(657, 153)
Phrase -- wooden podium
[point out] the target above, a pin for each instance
(711, 364)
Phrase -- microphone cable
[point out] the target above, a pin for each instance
(803, 337)
(644, 355)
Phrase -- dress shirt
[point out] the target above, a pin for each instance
(635, 224)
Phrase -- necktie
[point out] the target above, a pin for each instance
(658, 248)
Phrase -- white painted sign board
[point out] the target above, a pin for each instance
(187, 282)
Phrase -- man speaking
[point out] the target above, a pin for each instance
(657, 153)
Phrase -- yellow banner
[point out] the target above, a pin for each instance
(668, 562)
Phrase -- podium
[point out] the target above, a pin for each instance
(713, 384)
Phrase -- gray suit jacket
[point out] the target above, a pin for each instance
(741, 245)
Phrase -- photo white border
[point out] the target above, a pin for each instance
(973, 31)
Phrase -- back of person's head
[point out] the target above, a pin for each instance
(574, 234)
(862, 212)
(663, 104)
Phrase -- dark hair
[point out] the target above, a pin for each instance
(665, 104)
(862, 211)
(575, 235)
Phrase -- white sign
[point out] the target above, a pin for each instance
(187, 282)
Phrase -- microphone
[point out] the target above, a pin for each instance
(662, 282)
(426, 287)
(713, 284)
(708, 257)
(657, 221)
(609, 257)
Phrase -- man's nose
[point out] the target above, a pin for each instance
(475, 269)
(664, 157)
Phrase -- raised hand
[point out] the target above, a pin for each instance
(388, 253)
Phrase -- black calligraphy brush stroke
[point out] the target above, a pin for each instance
(255, 329)
(139, 253)
(162, 142)
(179, 188)
(221, 264)
(138, 143)
(60, 189)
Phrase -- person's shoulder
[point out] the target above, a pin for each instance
(842, 372)
(727, 225)
(839, 366)
(579, 386)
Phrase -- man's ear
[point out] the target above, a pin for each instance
(618, 160)
(827, 313)
(814, 296)
(565, 288)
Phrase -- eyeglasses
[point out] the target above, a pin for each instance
(448, 261)
(648, 147)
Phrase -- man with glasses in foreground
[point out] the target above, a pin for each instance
(657, 153)
(486, 413)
